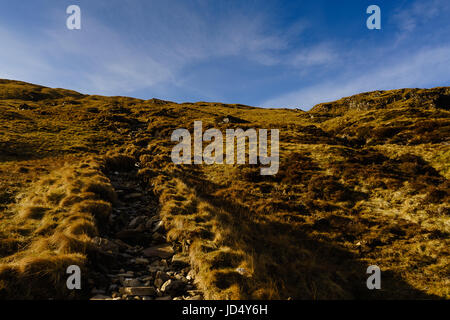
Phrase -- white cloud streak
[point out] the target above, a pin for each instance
(100, 59)
(430, 65)
(419, 13)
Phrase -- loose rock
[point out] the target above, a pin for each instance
(139, 291)
(163, 251)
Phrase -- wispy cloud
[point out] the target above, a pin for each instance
(102, 59)
(419, 13)
(321, 54)
(431, 65)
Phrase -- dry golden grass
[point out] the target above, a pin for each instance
(51, 227)
(363, 180)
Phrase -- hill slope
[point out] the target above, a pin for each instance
(363, 180)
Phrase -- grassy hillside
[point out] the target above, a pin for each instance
(363, 180)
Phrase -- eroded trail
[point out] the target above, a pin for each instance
(137, 263)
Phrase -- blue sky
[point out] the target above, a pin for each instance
(257, 52)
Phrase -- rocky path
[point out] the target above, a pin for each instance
(136, 262)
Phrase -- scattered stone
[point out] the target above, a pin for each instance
(172, 286)
(158, 265)
(181, 278)
(158, 283)
(148, 278)
(180, 261)
(160, 279)
(193, 292)
(140, 228)
(163, 251)
(128, 274)
(162, 275)
(105, 245)
(191, 275)
(141, 261)
(137, 221)
(138, 291)
(131, 283)
(121, 244)
(133, 195)
(136, 239)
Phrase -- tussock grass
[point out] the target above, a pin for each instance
(60, 225)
